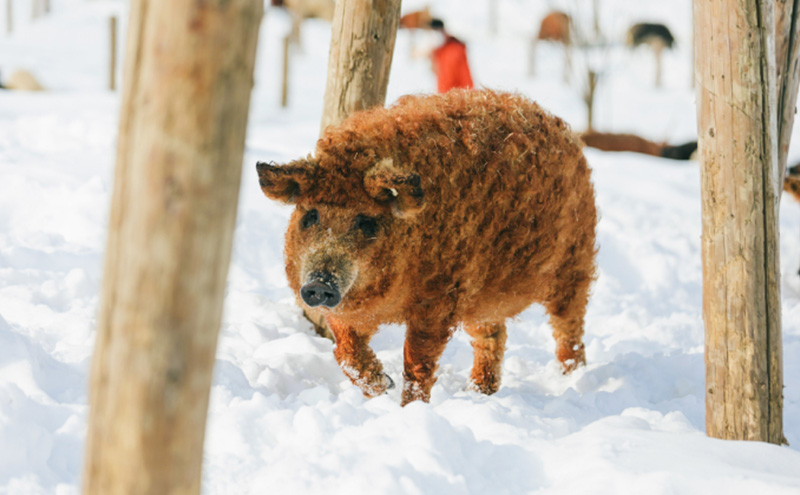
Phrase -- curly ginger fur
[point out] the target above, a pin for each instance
(501, 215)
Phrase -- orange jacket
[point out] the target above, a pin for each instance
(450, 64)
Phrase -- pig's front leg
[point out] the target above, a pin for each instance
(425, 343)
(357, 360)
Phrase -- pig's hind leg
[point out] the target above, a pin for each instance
(488, 344)
(357, 359)
(567, 311)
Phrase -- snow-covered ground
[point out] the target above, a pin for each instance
(283, 417)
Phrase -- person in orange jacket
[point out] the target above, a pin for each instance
(450, 61)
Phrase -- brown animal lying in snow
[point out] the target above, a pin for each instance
(441, 211)
(630, 142)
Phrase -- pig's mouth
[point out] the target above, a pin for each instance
(321, 289)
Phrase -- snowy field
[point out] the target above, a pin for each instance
(283, 417)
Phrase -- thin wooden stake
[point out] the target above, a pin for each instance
(36, 9)
(9, 16)
(112, 64)
(287, 41)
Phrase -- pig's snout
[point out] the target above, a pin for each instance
(321, 290)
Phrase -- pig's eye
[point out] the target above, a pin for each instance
(367, 225)
(310, 219)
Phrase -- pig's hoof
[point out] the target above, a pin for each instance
(571, 357)
(570, 365)
(413, 391)
(487, 388)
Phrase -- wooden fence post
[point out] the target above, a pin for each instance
(287, 41)
(112, 49)
(9, 16)
(738, 124)
(362, 43)
(493, 17)
(186, 94)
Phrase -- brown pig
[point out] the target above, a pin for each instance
(442, 211)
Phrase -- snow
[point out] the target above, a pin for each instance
(283, 416)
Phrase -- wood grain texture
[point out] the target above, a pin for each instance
(186, 92)
(738, 130)
(362, 43)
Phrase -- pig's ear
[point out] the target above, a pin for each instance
(400, 189)
(285, 183)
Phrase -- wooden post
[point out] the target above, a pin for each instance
(9, 16)
(741, 184)
(36, 9)
(362, 43)
(493, 17)
(186, 93)
(285, 79)
(787, 48)
(658, 50)
(588, 97)
(112, 63)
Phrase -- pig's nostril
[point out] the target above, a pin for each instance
(319, 292)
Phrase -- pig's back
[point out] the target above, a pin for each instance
(509, 200)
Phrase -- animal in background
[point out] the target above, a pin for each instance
(419, 19)
(555, 27)
(440, 212)
(630, 142)
(791, 184)
(656, 36)
(413, 22)
(21, 80)
(300, 10)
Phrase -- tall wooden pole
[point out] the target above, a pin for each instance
(738, 123)
(493, 17)
(9, 16)
(186, 93)
(362, 43)
(287, 42)
(787, 51)
(112, 50)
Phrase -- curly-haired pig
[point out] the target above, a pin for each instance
(440, 212)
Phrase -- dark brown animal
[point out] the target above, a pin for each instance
(630, 142)
(442, 211)
(621, 142)
(656, 36)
